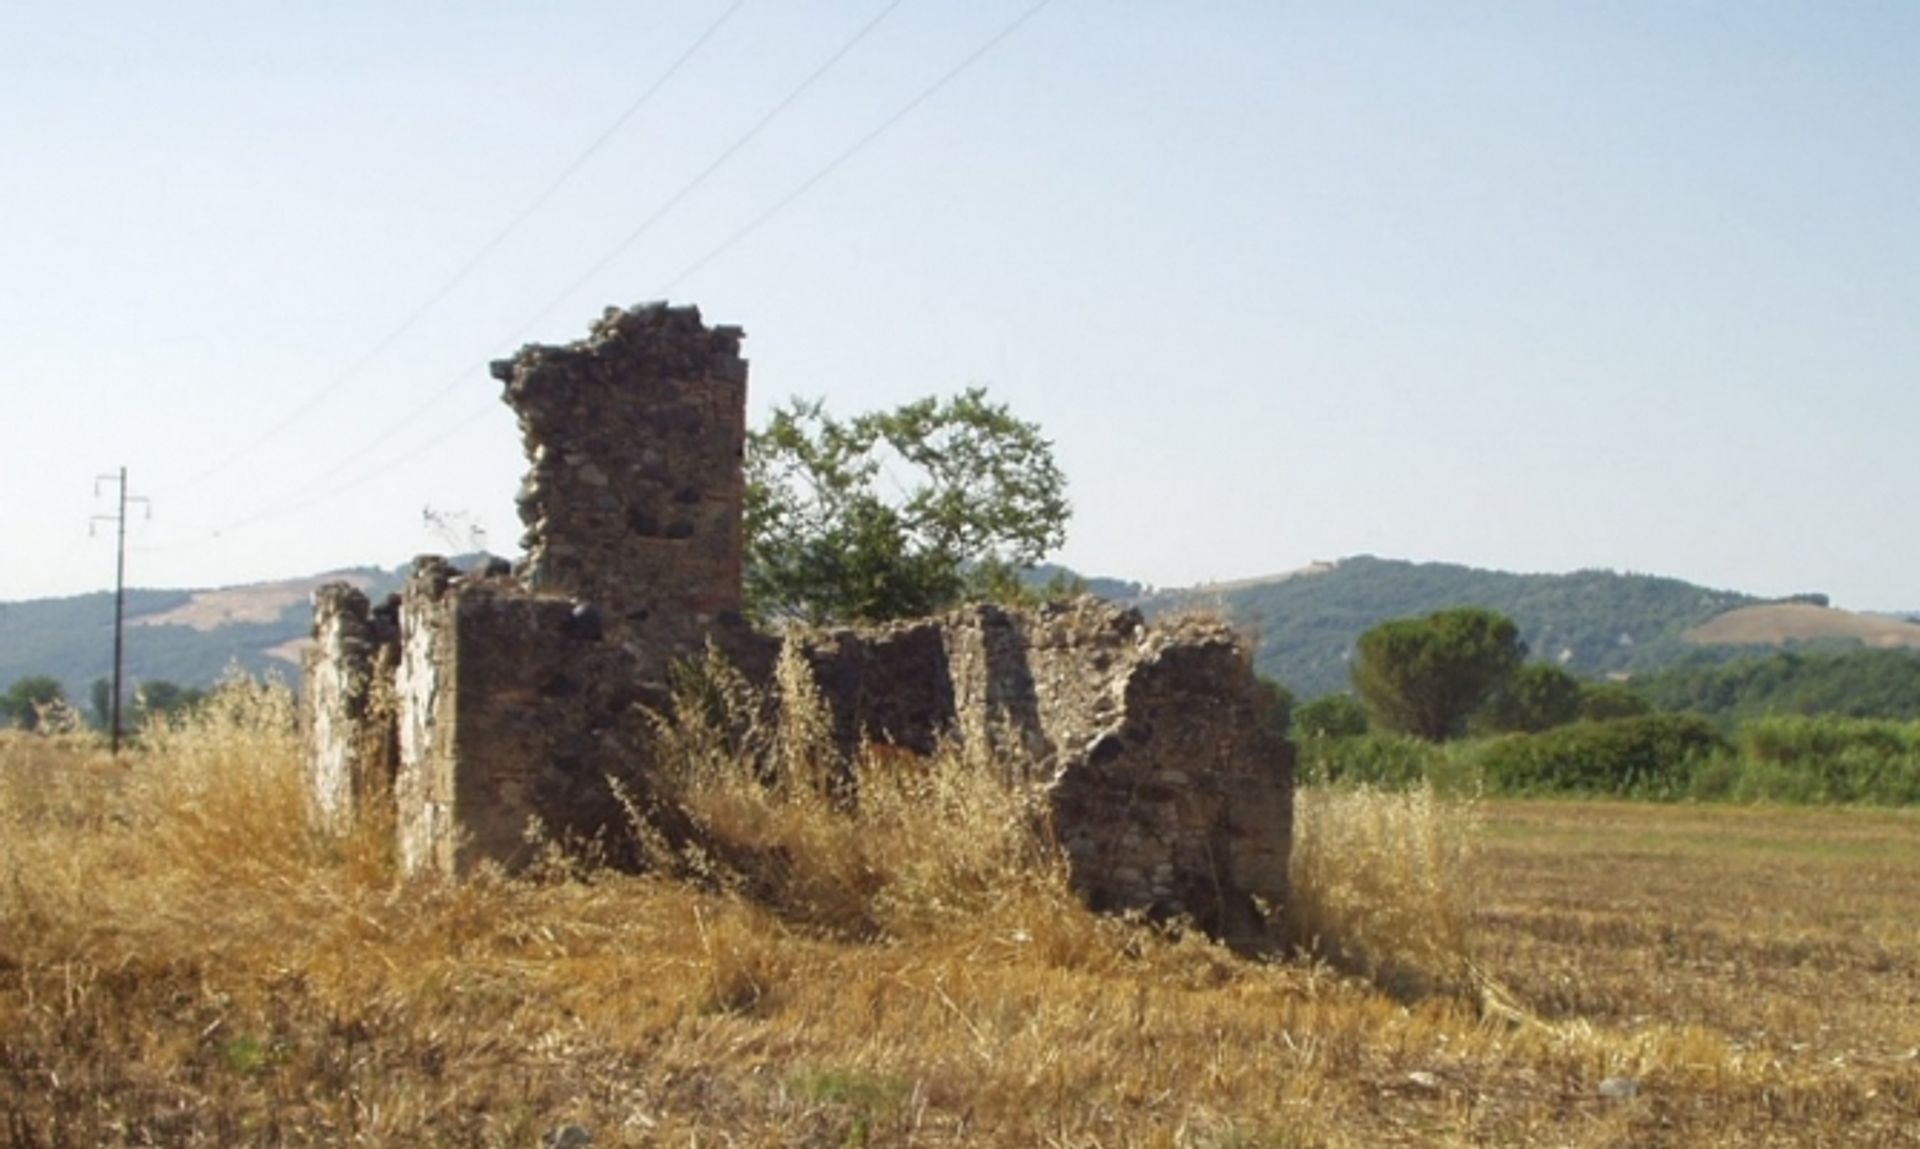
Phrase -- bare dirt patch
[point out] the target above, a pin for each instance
(1774, 624)
(257, 603)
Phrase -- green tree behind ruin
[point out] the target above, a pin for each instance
(1426, 676)
(894, 514)
(1537, 696)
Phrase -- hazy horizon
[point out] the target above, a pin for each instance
(1317, 566)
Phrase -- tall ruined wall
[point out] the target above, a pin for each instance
(515, 699)
(1167, 777)
(514, 710)
(634, 493)
(483, 703)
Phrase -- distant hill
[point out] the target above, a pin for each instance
(1775, 624)
(1112, 589)
(185, 636)
(1595, 623)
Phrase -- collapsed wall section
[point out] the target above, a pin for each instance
(482, 704)
(1175, 795)
(1167, 774)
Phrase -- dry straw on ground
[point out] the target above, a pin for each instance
(183, 961)
(1385, 883)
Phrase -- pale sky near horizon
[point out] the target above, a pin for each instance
(1527, 286)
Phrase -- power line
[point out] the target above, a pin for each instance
(323, 489)
(387, 342)
(733, 149)
(300, 498)
(832, 165)
(646, 225)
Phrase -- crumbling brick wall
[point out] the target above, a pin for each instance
(515, 710)
(490, 701)
(516, 697)
(633, 499)
(1166, 773)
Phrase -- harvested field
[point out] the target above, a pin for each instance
(1775, 624)
(257, 603)
(183, 963)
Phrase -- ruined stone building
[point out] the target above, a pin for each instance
(480, 701)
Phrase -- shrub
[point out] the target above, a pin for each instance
(1829, 759)
(1653, 756)
(1601, 701)
(1388, 762)
(1539, 696)
(1331, 716)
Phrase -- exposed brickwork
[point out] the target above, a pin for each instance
(634, 492)
(518, 709)
(1167, 777)
(490, 701)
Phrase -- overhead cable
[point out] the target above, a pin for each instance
(323, 489)
(832, 165)
(473, 263)
(464, 373)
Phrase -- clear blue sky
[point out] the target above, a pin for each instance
(1530, 286)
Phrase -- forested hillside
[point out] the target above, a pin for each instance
(71, 639)
(1859, 683)
(1592, 622)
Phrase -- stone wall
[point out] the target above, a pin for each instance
(348, 702)
(1166, 774)
(516, 710)
(634, 493)
(483, 703)
(513, 696)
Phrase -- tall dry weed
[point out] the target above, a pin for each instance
(195, 846)
(219, 794)
(881, 842)
(1384, 883)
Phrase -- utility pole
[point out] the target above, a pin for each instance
(119, 519)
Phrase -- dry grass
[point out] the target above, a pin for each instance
(182, 962)
(1789, 930)
(1384, 883)
(1775, 624)
(775, 818)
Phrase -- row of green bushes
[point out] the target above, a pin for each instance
(1663, 757)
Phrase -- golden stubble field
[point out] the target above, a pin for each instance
(183, 962)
